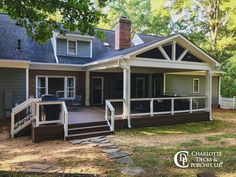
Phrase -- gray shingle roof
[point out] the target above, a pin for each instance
(10, 33)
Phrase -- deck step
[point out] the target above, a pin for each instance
(88, 135)
(86, 129)
(87, 124)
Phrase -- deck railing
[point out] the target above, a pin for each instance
(113, 109)
(32, 109)
(154, 106)
(22, 115)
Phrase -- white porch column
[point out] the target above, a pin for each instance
(209, 93)
(126, 93)
(87, 88)
(27, 83)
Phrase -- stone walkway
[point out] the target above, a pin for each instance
(112, 151)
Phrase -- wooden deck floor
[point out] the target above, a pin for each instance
(86, 115)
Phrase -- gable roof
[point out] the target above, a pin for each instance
(34, 52)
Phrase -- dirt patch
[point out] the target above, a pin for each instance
(60, 154)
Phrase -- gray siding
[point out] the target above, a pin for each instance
(183, 85)
(83, 48)
(12, 88)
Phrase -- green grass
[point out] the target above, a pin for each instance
(192, 143)
(220, 137)
(197, 127)
(159, 161)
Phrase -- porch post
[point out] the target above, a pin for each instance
(87, 88)
(209, 93)
(126, 93)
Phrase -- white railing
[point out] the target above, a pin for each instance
(65, 115)
(228, 103)
(109, 108)
(31, 109)
(155, 106)
(171, 110)
(41, 117)
(22, 115)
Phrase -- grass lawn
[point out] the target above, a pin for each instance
(152, 148)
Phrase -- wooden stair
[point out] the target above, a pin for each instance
(87, 130)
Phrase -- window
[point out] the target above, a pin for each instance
(70, 87)
(72, 47)
(140, 87)
(196, 83)
(62, 87)
(41, 86)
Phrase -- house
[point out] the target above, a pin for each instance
(141, 81)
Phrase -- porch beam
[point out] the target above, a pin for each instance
(87, 88)
(182, 55)
(163, 52)
(209, 93)
(147, 62)
(173, 50)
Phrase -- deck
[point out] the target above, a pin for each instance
(87, 115)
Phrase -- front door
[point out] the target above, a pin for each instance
(97, 91)
(140, 88)
(157, 87)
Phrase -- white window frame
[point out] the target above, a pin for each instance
(69, 40)
(198, 81)
(65, 85)
(136, 91)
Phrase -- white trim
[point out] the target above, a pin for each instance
(76, 45)
(164, 82)
(65, 85)
(13, 64)
(198, 85)
(27, 83)
(87, 88)
(163, 52)
(78, 36)
(168, 39)
(173, 50)
(54, 45)
(91, 49)
(219, 90)
(102, 89)
(144, 86)
(55, 66)
(136, 40)
(147, 62)
(182, 55)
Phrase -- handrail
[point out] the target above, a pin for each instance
(109, 106)
(17, 126)
(151, 112)
(22, 105)
(65, 111)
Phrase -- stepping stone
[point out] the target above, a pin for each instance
(117, 155)
(98, 140)
(132, 171)
(38, 166)
(103, 142)
(78, 141)
(125, 160)
(110, 136)
(105, 145)
(110, 150)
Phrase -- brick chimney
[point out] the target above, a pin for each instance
(122, 33)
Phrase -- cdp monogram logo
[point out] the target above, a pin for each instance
(181, 159)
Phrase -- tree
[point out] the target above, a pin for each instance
(145, 18)
(40, 17)
(212, 25)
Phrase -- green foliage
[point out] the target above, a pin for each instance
(40, 17)
(143, 16)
